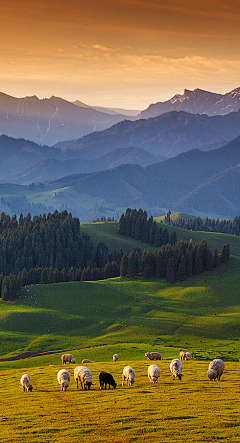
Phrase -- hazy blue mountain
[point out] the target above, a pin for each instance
(111, 111)
(19, 154)
(167, 135)
(52, 168)
(51, 120)
(196, 102)
(177, 183)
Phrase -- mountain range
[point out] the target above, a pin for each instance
(197, 102)
(51, 120)
(194, 182)
(166, 135)
(183, 161)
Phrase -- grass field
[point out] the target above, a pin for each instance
(94, 320)
(106, 232)
(201, 314)
(193, 409)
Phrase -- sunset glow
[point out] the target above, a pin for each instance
(125, 53)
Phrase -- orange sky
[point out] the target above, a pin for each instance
(119, 53)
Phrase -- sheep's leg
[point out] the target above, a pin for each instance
(23, 388)
(77, 382)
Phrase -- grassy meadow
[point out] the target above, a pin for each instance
(107, 233)
(94, 320)
(193, 408)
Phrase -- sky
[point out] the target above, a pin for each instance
(118, 53)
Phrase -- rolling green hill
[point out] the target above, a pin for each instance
(107, 233)
(201, 314)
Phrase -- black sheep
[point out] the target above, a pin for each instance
(106, 379)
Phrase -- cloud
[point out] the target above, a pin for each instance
(102, 48)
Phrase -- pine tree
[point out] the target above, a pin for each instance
(124, 265)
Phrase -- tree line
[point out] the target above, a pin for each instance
(207, 225)
(173, 262)
(50, 248)
(135, 224)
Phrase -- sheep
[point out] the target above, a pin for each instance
(85, 360)
(84, 375)
(115, 358)
(67, 358)
(182, 355)
(153, 373)
(63, 378)
(188, 356)
(215, 369)
(25, 382)
(106, 379)
(176, 368)
(129, 375)
(153, 356)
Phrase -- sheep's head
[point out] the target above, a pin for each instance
(212, 374)
(73, 360)
(147, 354)
(179, 376)
(89, 384)
(30, 387)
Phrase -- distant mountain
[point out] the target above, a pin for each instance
(49, 169)
(111, 111)
(196, 102)
(217, 195)
(167, 135)
(180, 183)
(18, 154)
(51, 120)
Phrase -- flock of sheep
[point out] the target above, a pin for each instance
(83, 375)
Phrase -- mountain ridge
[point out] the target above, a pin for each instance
(197, 101)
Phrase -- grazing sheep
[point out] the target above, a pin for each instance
(176, 368)
(106, 379)
(215, 369)
(182, 355)
(85, 360)
(25, 382)
(153, 356)
(115, 358)
(67, 358)
(153, 373)
(84, 375)
(129, 375)
(188, 356)
(63, 378)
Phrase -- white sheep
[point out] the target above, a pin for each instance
(84, 375)
(153, 355)
(182, 355)
(63, 378)
(188, 356)
(115, 358)
(215, 369)
(129, 375)
(85, 360)
(67, 358)
(176, 368)
(153, 373)
(25, 382)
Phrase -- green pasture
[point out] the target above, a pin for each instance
(194, 408)
(107, 232)
(201, 314)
